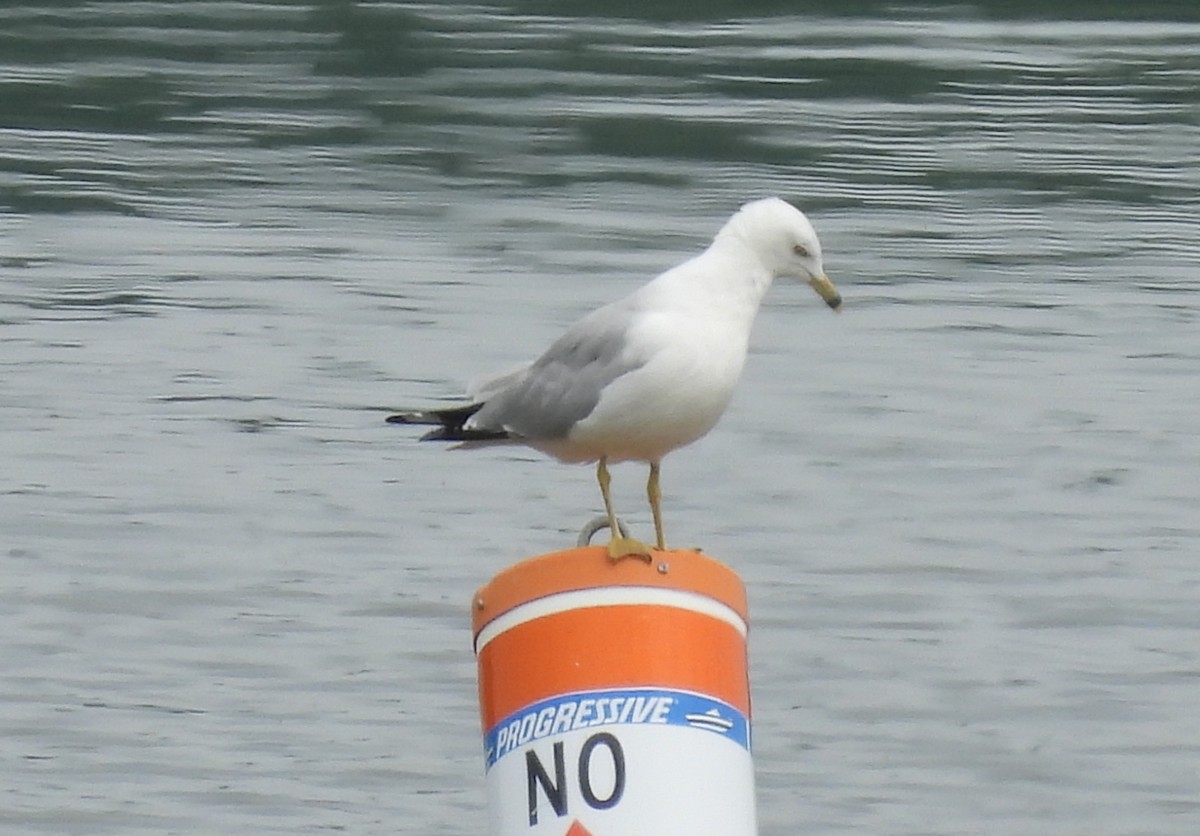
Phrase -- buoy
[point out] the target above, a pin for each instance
(614, 696)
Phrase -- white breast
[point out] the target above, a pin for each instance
(671, 401)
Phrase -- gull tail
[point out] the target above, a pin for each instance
(449, 424)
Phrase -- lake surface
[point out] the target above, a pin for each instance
(233, 235)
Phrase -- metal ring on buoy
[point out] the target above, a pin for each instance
(594, 525)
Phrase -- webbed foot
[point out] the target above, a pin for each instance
(620, 548)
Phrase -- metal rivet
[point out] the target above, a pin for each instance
(478, 603)
(663, 568)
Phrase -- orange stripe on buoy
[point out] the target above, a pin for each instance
(612, 647)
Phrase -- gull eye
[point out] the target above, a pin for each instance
(800, 250)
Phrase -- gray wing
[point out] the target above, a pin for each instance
(563, 386)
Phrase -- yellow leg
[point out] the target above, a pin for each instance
(618, 546)
(655, 493)
(605, 480)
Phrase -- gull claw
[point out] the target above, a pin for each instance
(620, 548)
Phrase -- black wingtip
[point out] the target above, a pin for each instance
(449, 424)
(453, 416)
(463, 434)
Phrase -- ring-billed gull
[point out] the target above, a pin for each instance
(639, 377)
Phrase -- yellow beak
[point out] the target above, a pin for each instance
(827, 291)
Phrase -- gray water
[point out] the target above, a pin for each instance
(233, 235)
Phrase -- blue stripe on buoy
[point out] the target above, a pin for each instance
(631, 706)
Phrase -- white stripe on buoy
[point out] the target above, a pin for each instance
(608, 596)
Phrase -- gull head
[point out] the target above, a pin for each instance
(784, 241)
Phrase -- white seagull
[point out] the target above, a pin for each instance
(641, 376)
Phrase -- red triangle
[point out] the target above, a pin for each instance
(578, 829)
